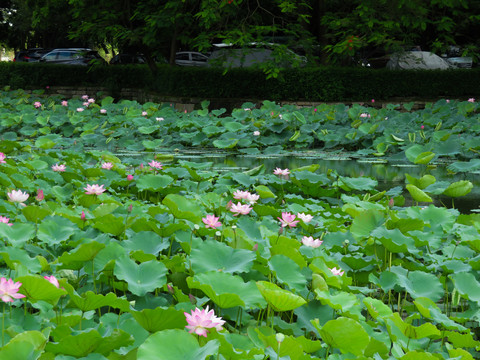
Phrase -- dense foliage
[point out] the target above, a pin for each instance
(332, 31)
(110, 254)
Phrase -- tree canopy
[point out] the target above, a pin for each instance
(330, 31)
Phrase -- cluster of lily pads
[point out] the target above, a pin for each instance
(150, 257)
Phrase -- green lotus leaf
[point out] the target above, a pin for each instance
(44, 142)
(418, 355)
(417, 194)
(34, 213)
(345, 334)
(347, 303)
(147, 241)
(467, 285)
(147, 129)
(152, 144)
(110, 224)
(153, 182)
(377, 308)
(243, 179)
(91, 301)
(225, 144)
(459, 188)
(213, 255)
(83, 343)
(424, 157)
(19, 350)
(288, 272)
(159, 319)
(394, 240)
(419, 283)
(366, 222)
(55, 230)
(175, 344)
(427, 308)
(104, 209)
(414, 151)
(17, 235)
(361, 183)
(14, 257)
(76, 259)
(37, 288)
(183, 208)
(142, 278)
(278, 298)
(227, 290)
(423, 182)
(464, 166)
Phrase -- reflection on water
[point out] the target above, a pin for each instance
(388, 175)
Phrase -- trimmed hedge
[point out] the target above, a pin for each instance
(310, 83)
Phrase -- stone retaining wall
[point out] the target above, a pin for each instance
(189, 104)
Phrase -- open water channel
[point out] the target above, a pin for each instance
(388, 174)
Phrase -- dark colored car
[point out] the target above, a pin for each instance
(125, 58)
(30, 55)
(72, 56)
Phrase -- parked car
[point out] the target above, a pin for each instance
(30, 55)
(72, 56)
(126, 58)
(422, 60)
(190, 58)
(228, 56)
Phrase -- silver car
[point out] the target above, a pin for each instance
(190, 58)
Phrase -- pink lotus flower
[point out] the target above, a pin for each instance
(239, 194)
(5, 220)
(103, 111)
(91, 101)
(471, 100)
(156, 165)
(373, 101)
(9, 290)
(144, 113)
(337, 272)
(129, 177)
(17, 196)
(80, 109)
(37, 104)
(107, 165)
(85, 97)
(282, 172)
(64, 103)
(201, 320)
(306, 218)
(240, 209)
(256, 133)
(422, 127)
(86, 103)
(309, 241)
(211, 221)
(288, 220)
(364, 115)
(53, 280)
(94, 189)
(40, 195)
(159, 119)
(59, 168)
(2, 158)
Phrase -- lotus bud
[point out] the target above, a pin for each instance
(255, 247)
(129, 177)
(130, 208)
(40, 195)
(82, 217)
(391, 202)
(192, 298)
(170, 289)
(280, 231)
(229, 205)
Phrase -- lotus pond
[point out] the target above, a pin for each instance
(115, 247)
